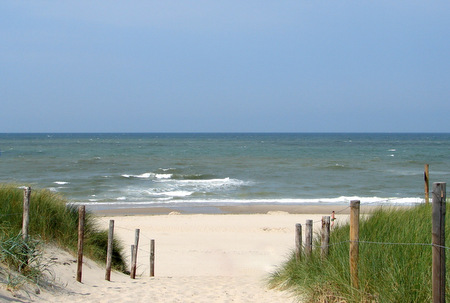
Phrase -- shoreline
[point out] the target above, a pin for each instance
(238, 209)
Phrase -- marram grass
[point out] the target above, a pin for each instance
(52, 221)
(387, 272)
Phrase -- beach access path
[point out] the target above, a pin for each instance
(199, 258)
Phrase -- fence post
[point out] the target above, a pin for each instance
(298, 242)
(26, 213)
(325, 236)
(438, 241)
(308, 237)
(426, 176)
(25, 224)
(354, 242)
(152, 258)
(134, 255)
(109, 250)
(81, 217)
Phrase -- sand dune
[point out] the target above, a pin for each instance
(199, 258)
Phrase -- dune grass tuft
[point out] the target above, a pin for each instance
(387, 272)
(52, 221)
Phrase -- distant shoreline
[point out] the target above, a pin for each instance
(237, 209)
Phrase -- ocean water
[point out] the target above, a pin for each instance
(118, 170)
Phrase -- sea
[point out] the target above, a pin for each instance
(116, 170)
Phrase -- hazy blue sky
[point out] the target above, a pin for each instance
(228, 66)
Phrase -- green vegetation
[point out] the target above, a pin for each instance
(387, 272)
(51, 221)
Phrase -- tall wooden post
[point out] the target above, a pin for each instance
(308, 237)
(109, 251)
(325, 236)
(26, 213)
(354, 242)
(426, 176)
(81, 217)
(298, 242)
(25, 224)
(134, 255)
(438, 241)
(152, 258)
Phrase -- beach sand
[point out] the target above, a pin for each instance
(199, 257)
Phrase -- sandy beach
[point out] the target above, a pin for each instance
(199, 257)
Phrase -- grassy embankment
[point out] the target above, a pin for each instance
(387, 272)
(51, 221)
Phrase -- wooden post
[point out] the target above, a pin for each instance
(152, 258)
(354, 242)
(308, 237)
(298, 242)
(25, 224)
(325, 236)
(109, 251)
(438, 242)
(426, 176)
(26, 213)
(81, 217)
(134, 255)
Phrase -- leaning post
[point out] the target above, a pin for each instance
(134, 255)
(109, 250)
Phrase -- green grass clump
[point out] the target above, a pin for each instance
(387, 272)
(52, 221)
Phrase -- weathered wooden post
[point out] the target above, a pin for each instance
(81, 217)
(298, 242)
(308, 237)
(438, 242)
(325, 236)
(354, 242)
(25, 224)
(152, 258)
(26, 213)
(134, 255)
(426, 176)
(109, 251)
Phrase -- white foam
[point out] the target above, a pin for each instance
(209, 183)
(179, 193)
(143, 176)
(149, 175)
(313, 201)
(61, 182)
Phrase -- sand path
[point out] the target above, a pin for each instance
(199, 258)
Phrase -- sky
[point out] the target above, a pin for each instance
(224, 66)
